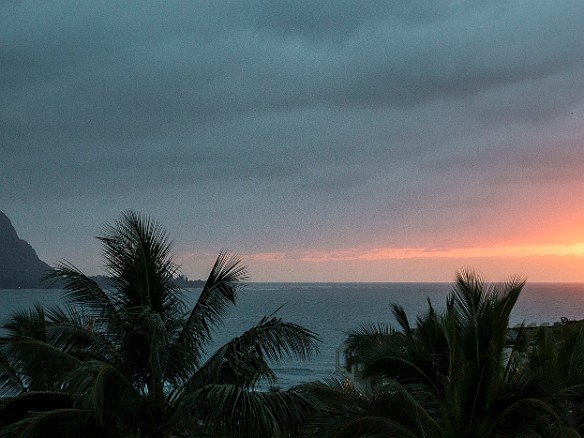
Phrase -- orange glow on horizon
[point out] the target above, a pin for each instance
(548, 263)
(410, 253)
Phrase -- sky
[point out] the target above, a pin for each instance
(319, 140)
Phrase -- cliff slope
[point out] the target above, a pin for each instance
(20, 266)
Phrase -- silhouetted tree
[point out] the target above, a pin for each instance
(133, 361)
(452, 375)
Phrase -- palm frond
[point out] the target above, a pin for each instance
(83, 292)
(239, 412)
(148, 339)
(11, 380)
(27, 360)
(26, 324)
(67, 422)
(71, 332)
(419, 358)
(15, 409)
(246, 359)
(137, 254)
(220, 290)
(344, 411)
(104, 391)
(371, 332)
(401, 317)
(277, 339)
(41, 365)
(522, 412)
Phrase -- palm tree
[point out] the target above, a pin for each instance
(556, 363)
(453, 375)
(132, 360)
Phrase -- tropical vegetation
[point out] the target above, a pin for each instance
(132, 360)
(457, 373)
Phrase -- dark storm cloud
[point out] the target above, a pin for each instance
(331, 112)
(113, 70)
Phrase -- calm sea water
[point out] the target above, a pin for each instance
(331, 309)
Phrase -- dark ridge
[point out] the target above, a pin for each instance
(20, 266)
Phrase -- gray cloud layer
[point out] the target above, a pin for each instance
(266, 125)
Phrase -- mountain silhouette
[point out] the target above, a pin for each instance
(20, 266)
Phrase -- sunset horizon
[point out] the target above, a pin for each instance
(320, 142)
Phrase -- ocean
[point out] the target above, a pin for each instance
(332, 309)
